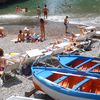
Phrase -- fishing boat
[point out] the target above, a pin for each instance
(63, 85)
(87, 64)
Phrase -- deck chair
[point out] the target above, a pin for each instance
(28, 59)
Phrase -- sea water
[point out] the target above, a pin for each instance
(79, 11)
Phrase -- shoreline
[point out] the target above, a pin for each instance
(22, 19)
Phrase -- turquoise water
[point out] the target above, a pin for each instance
(10, 8)
(78, 10)
(55, 6)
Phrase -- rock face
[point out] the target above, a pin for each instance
(3, 1)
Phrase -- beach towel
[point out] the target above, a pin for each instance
(14, 40)
(34, 53)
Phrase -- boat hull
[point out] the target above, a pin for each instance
(57, 95)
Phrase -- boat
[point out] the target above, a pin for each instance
(61, 84)
(82, 63)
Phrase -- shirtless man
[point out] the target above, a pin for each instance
(45, 11)
(66, 21)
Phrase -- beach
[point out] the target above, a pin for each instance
(54, 31)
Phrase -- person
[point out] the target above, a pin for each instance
(66, 21)
(21, 37)
(86, 36)
(45, 11)
(26, 9)
(3, 62)
(28, 37)
(72, 37)
(18, 9)
(39, 11)
(82, 29)
(2, 34)
(42, 29)
(26, 30)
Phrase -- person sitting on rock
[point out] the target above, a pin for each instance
(28, 37)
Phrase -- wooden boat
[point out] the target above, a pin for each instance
(87, 64)
(63, 85)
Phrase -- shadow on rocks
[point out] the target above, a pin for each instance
(42, 96)
(10, 81)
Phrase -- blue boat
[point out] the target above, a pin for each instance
(82, 63)
(65, 84)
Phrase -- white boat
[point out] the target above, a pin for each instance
(61, 85)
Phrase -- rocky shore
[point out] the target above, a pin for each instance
(54, 31)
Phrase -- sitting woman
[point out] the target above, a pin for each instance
(21, 37)
(28, 37)
(73, 37)
(3, 62)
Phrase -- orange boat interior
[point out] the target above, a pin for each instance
(85, 66)
(92, 86)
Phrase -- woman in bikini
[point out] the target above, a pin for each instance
(3, 62)
(42, 29)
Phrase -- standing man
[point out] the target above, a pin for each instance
(45, 11)
(66, 22)
(39, 11)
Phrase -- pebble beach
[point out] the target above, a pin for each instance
(54, 31)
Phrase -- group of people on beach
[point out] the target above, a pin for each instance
(38, 11)
(28, 36)
(33, 37)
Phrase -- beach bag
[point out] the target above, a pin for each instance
(26, 69)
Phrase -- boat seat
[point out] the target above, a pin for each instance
(93, 67)
(83, 63)
(60, 79)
